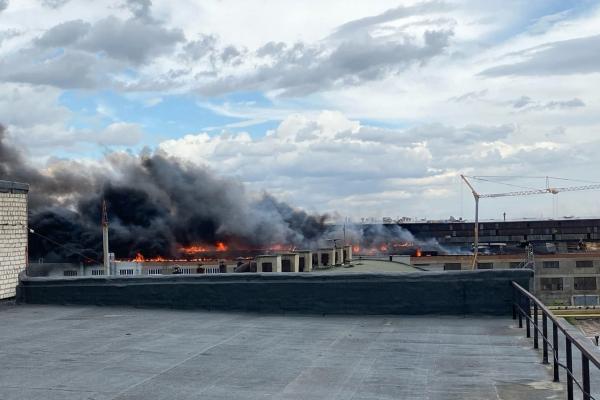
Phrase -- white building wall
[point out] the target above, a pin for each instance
(308, 260)
(13, 236)
(274, 260)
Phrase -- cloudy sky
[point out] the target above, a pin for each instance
(365, 108)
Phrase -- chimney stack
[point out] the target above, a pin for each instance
(105, 239)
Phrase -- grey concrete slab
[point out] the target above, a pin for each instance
(79, 352)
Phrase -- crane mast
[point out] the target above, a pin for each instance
(104, 223)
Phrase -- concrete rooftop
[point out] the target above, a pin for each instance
(77, 352)
(370, 265)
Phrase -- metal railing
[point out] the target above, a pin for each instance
(527, 306)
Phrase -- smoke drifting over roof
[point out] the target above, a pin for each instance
(157, 204)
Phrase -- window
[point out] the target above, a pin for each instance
(585, 300)
(584, 264)
(550, 264)
(286, 266)
(550, 284)
(515, 264)
(97, 272)
(452, 267)
(485, 265)
(70, 272)
(154, 271)
(584, 282)
(125, 272)
(267, 267)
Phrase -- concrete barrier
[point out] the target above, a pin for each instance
(460, 292)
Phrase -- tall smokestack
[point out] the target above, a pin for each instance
(105, 239)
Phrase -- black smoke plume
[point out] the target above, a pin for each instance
(157, 204)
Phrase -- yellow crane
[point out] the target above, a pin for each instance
(547, 190)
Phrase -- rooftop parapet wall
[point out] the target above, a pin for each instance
(13, 187)
(451, 293)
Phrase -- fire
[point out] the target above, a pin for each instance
(383, 247)
(197, 248)
(193, 249)
(139, 257)
(220, 246)
(418, 252)
(355, 249)
(280, 247)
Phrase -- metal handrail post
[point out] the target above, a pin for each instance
(544, 337)
(520, 318)
(569, 369)
(535, 326)
(555, 351)
(514, 303)
(585, 374)
(528, 311)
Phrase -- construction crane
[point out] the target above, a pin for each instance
(104, 223)
(547, 190)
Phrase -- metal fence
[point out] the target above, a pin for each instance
(526, 306)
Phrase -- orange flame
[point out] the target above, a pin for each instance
(280, 247)
(193, 249)
(139, 257)
(418, 252)
(220, 246)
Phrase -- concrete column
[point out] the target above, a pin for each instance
(307, 256)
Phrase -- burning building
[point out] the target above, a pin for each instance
(158, 206)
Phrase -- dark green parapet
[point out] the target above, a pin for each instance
(451, 293)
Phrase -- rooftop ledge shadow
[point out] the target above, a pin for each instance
(448, 293)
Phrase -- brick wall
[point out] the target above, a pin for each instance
(13, 235)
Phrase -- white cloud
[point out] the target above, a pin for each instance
(413, 108)
(120, 134)
(332, 163)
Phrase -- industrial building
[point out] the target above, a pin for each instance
(560, 235)
(296, 261)
(559, 279)
(133, 268)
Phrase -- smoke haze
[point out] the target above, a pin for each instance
(156, 205)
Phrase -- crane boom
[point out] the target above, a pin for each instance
(541, 191)
(547, 190)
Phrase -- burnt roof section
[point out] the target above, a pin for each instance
(13, 187)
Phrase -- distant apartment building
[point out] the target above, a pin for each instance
(560, 279)
(13, 235)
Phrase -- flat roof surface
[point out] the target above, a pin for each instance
(368, 265)
(73, 352)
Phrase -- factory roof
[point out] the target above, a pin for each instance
(75, 352)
